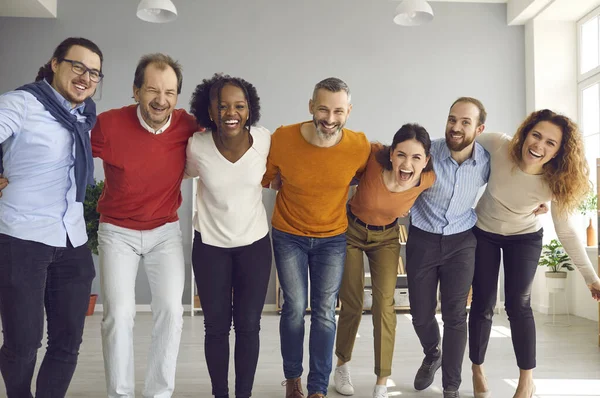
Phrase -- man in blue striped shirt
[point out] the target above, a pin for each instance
(441, 246)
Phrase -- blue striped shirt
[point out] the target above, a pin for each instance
(39, 156)
(447, 207)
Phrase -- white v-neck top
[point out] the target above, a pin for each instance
(230, 212)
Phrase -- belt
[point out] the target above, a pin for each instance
(371, 227)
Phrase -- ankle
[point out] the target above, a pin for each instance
(525, 383)
(379, 389)
(343, 366)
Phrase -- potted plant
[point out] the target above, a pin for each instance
(587, 208)
(557, 260)
(92, 219)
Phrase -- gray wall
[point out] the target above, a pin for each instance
(284, 47)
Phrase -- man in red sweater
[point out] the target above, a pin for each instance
(143, 151)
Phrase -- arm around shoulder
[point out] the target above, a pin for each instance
(566, 232)
(492, 141)
(98, 139)
(364, 152)
(272, 170)
(13, 111)
(192, 168)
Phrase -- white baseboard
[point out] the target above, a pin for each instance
(186, 308)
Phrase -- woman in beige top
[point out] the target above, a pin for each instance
(544, 161)
(393, 179)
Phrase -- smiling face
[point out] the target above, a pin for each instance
(541, 144)
(462, 126)
(408, 161)
(330, 112)
(157, 96)
(73, 87)
(232, 113)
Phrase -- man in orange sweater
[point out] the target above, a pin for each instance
(143, 151)
(316, 161)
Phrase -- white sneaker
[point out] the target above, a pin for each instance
(341, 378)
(380, 392)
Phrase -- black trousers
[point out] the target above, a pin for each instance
(520, 254)
(245, 271)
(34, 277)
(449, 260)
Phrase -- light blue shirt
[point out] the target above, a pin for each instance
(447, 207)
(38, 157)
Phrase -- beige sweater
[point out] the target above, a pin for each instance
(511, 196)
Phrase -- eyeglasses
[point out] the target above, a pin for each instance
(81, 69)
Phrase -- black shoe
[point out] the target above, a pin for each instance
(426, 373)
(451, 394)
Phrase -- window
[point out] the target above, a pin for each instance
(590, 123)
(588, 32)
(589, 86)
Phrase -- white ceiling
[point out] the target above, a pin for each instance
(556, 10)
(469, 1)
(570, 10)
(28, 8)
(563, 10)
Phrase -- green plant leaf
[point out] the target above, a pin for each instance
(554, 257)
(91, 215)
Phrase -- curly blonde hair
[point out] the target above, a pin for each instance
(568, 173)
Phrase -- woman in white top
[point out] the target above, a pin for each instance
(544, 161)
(232, 250)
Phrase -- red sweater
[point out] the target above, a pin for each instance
(143, 171)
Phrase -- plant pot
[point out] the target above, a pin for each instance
(92, 304)
(591, 235)
(556, 281)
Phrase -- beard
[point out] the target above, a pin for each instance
(154, 120)
(459, 146)
(324, 135)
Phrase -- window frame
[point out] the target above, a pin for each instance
(584, 76)
(588, 79)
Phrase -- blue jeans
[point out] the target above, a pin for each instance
(326, 257)
(34, 277)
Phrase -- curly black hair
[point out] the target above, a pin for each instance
(211, 89)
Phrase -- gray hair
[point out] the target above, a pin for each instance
(334, 85)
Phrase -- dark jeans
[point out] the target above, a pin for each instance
(521, 254)
(218, 271)
(34, 276)
(449, 260)
(299, 258)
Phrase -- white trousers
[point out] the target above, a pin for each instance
(120, 251)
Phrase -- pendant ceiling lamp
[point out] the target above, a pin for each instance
(158, 11)
(413, 13)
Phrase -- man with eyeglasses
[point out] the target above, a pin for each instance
(45, 263)
(142, 147)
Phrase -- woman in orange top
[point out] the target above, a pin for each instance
(394, 177)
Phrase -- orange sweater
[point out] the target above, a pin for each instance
(315, 181)
(374, 204)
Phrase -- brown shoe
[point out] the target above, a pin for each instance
(293, 388)
(317, 395)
